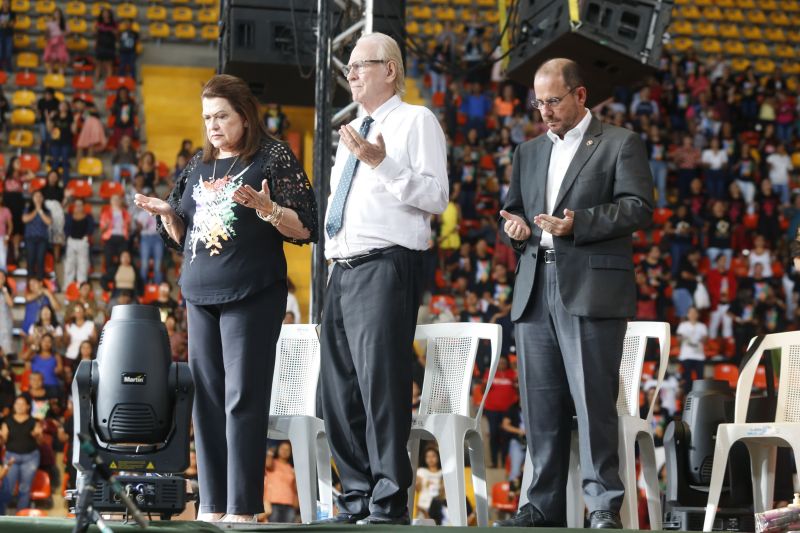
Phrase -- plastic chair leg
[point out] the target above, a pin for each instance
(721, 450)
(413, 453)
(647, 458)
(305, 468)
(477, 461)
(762, 461)
(451, 449)
(629, 513)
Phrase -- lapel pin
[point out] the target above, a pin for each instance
(589, 142)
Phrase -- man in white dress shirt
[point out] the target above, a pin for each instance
(389, 178)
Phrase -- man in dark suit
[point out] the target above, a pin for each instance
(577, 195)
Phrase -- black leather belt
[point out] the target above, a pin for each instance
(547, 255)
(353, 262)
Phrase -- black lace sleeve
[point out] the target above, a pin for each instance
(289, 187)
(174, 200)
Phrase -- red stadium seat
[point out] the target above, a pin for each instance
(661, 215)
(115, 82)
(25, 79)
(502, 500)
(83, 83)
(40, 489)
(150, 293)
(72, 294)
(30, 162)
(727, 372)
(648, 369)
(40, 513)
(80, 188)
(163, 170)
(110, 188)
(36, 184)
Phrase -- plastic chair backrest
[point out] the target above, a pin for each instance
(788, 407)
(450, 357)
(630, 369)
(294, 381)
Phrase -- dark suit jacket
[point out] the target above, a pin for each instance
(609, 186)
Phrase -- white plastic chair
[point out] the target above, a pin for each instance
(292, 414)
(762, 439)
(444, 412)
(633, 429)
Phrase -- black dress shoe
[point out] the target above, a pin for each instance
(342, 518)
(383, 520)
(527, 516)
(605, 520)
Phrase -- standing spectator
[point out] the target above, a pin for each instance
(6, 315)
(443, 56)
(720, 279)
(715, 161)
(46, 104)
(745, 325)
(164, 301)
(681, 232)
(54, 196)
(178, 340)
(745, 173)
(7, 18)
(43, 359)
(657, 155)
(115, 223)
(785, 118)
(106, 44)
(47, 324)
(14, 183)
(128, 41)
(78, 330)
(20, 432)
(769, 205)
(125, 158)
(719, 233)
(760, 255)
(780, 164)
(148, 168)
(124, 276)
(92, 138)
(500, 397)
(476, 106)
(150, 246)
(62, 127)
(514, 426)
(37, 297)
(686, 283)
(56, 56)
(280, 489)
(6, 229)
(687, 158)
(124, 113)
(292, 306)
(78, 227)
(37, 233)
(692, 335)
(275, 120)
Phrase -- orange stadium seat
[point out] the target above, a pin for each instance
(36, 184)
(756, 16)
(127, 11)
(40, 489)
(733, 47)
(23, 117)
(76, 43)
(80, 188)
(41, 24)
(712, 13)
(21, 40)
(115, 82)
(30, 162)
(44, 7)
(3, 77)
(502, 499)
(775, 35)
(707, 29)
(711, 46)
(83, 82)
(150, 293)
(110, 188)
(779, 18)
(752, 33)
(746, 4)
(740, 64)
(758, 48)
(22, 23)
(36, 513)
(727, 372)
(72, 293)
(764, 65)
(27, 60)
(729, 31)
(682, 27)
(734, 15)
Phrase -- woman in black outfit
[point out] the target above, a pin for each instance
(230, 211)
(21, 432)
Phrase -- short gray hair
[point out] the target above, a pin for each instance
(388, 50)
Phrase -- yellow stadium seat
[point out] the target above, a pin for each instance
(90, 166)
(725, 4)
(44, 7)
(438, 28)
(779, 18)
(752, 33)
(791, 67)
(711, 46)
(97, 7)
(185, 31)
(682, 2)
(758, 48)
(127, 11)
(682, 27)
(775, 35)
(40, 42)
(733, 47)
(764, 66)
(707, 29)
(487, 3)
(745, 4)
(794, 19)
(181, 1)
(793, 36)
(76, 25)
(77, 44)
(790, 6)
(683, 44)
(412, 27)
(156, 13)
(182, 14)
(21, 40)
(729, 31)
(768, 5)
(445, 13)
(209, 32)
(734, 15)
(20, 6)
(20, 138)
(159, 30)
(712, 13)
(27, 60)
(756, 16)
(23, 98)
(22, 23)
(55, 81)
(75, 8)
(208, 16)
(41, 24)
(740, 64)
(207, 2)
(702, 2)
(23, 117)
(785, 51)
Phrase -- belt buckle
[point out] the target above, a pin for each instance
(346, 261)
(550, 256)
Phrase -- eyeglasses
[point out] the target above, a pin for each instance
(552, 103)
(359, 66)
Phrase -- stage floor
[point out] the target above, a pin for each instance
(19, 524)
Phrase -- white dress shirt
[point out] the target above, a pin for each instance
(560, 157)
(392, 204)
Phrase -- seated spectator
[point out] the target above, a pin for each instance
(6, 316)
(78, 228)
(122, 297)
(124, 275)
(125, 159)
(514, 427)
(124, 112)
(37, 297)
(148, 167)
(499, 398)
(760, 255)
(37, 222)
(430, 487)
(20, 432)
(62, 127)
(692, 335)
(78, 330)
(164, 301)
(38, 395)
(6, 229)
(86, 351)
(47, 323)
(178, 340)
(115, 223)
(280, 489)
(151, 246)
(86, 299)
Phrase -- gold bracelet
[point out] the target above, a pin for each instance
(273, 218)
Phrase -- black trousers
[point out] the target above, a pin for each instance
(232, 357)
(566, 359)
(368, 324)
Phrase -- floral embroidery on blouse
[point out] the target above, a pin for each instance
(214, 216)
